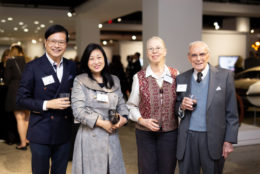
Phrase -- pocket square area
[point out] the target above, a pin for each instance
(218, 88)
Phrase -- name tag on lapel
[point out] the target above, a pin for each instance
(48, 80)
(181, 88)
(102, 97)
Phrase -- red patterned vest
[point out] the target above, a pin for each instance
(154, 104)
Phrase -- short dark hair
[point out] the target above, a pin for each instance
(108, 80)
(56, 29)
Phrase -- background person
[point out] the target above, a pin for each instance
(43, 80)
(151, 105)
(97, 148)
(208, 129)
(13, 73)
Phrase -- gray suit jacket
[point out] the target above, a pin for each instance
(221, 113)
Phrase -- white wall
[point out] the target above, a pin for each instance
(129, 48)
(225, 43)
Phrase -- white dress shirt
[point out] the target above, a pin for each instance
(59, 72)
(134, 99)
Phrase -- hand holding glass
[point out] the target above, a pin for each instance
(191, 96)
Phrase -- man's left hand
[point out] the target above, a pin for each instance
(227, 149)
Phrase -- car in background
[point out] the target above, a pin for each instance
(247, 85)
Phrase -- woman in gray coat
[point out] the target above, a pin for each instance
(95, 94)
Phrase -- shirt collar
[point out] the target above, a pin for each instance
(204, 72)
(149, 72)
(52, 62)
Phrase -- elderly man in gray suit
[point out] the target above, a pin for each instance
(206, 104)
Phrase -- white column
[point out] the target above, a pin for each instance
(177, 22)
(87, 31)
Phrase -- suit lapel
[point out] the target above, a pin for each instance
(48, 69)
(213, 81)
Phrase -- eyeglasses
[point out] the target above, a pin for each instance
(202, 55)
(155, 49)
(54, 42)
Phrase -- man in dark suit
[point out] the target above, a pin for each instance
(43, 82)
(206, 104)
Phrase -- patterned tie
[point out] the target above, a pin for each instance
(199, 75)
(55, 67)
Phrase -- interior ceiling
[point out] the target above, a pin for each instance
(62, 6)
(42, 3)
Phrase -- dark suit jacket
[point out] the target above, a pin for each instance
(13, 74)
(51, 126)
(221, 111)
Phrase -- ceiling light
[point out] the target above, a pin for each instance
(38, 28)
(100, 25)
(15, 28)
(34, 41)
(104, 42)
(257, 43)
(3, 20)
(217, 27)
(40, 39)
(26, 30)
(42, 25)
(75, 47)
(51, 21)
(9, 18)
(36, 22)
(111, 41)
(69, 14)
(252, 31)
(19, 43)
(20, 23)
(119, 19)
(2, 31)
(215, 23)
(133, 37)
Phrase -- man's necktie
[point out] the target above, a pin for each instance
(199, 75)
(55, 67)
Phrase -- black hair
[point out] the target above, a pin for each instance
(107, 78)
(56, 29)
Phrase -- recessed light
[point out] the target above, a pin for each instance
(133, 37)
(119, 19)
(42, 25)
(3, 20)
(26, 30)
(104, 42)
(252, 31)
(21, 23)
(34, 41)
(51, 21)
(100, 25)
(9, 18)
(36, 22)
(15, 28)
(69, 14)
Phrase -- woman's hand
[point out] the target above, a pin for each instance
(122, 121)
(105, 124)
(150, 123)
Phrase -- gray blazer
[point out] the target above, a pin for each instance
(95, 148)
(221, 113)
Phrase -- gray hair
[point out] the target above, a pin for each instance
(199, 42)
(157, 38)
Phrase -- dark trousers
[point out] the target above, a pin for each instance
(197, 156)
(41, 155)
(156, 152)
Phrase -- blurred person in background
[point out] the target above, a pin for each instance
(14, 68)
(116, 68)
(3, 90)
(252, 61)
(239, 65)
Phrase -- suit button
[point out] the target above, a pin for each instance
(66, 117)
(52, 117)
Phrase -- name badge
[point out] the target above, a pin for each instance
(102, 97)
(181, 88)
(48, 80)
